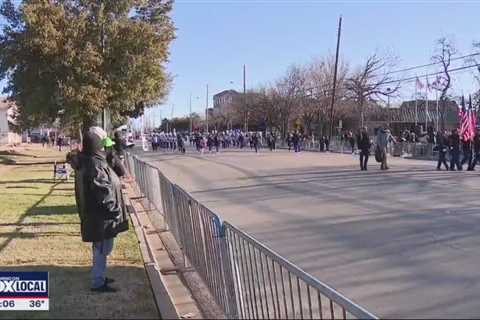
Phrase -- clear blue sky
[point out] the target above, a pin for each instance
(215, 39)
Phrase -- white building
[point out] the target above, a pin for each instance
(7, 136)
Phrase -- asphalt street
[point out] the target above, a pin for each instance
(401, 243)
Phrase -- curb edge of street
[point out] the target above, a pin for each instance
(163, 299)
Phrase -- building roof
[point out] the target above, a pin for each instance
(406, 112)
(224, 92)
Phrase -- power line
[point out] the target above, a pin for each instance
(414, 78)
(327, 87)
(433, 63)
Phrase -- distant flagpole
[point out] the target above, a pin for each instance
(416, 106)
(426, 103)
(436, 98)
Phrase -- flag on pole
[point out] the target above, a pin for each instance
(473, 117)
(468, 120)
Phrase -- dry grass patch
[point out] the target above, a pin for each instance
(40, 231)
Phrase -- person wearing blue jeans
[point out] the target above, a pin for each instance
(101, 250)
(99, 198)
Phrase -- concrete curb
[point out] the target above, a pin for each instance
(173, 298)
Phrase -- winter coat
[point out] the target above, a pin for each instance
(383, 138)
(454, 142)
(364, 143)
(99, 197)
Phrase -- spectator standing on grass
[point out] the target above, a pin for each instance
(442, 146)
(364, 145)
(100, 204)
(120, 144)
(113, 159)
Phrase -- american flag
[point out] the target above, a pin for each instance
(468, 120)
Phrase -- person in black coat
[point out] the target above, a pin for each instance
(120, 144)
(476, 149)
(454, 144)
(100, 204)
(467, 154)
(296, 141)
(442, 146)
(364, 144)
(254, 142)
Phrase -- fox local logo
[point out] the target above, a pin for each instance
(21, 286)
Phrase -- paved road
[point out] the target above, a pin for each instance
(402, 243)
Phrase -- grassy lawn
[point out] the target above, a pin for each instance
(40, 231)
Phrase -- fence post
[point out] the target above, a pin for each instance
(227, 262)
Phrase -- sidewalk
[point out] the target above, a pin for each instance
(40, 231)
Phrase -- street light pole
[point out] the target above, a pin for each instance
(245, 100)
(388, 106)
(191, 120)
(206, 111)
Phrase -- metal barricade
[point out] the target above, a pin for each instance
(246, 278)
(204, 245)
(268, 286)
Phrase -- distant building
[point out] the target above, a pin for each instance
(7, 113)
(224, 100)
(405, 118)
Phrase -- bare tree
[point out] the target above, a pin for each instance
(444, 51)
(319, 78)
(372, 81)
(289, 90)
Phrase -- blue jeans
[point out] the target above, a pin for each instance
(101, 250)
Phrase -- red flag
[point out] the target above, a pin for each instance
(468, 121)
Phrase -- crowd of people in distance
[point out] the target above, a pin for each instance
(211, 142)
(454, 152)
(167, 141)
(298, 141)
(214, 141)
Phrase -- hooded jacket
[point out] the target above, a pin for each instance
(383, 138)
(98, 193)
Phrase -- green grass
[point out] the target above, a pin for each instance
(40, 231)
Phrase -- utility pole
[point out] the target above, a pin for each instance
(206, 111)
(245, 100)
(335, 77)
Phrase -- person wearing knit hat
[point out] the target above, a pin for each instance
(100, 203)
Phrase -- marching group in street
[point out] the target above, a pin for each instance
(454, 152)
